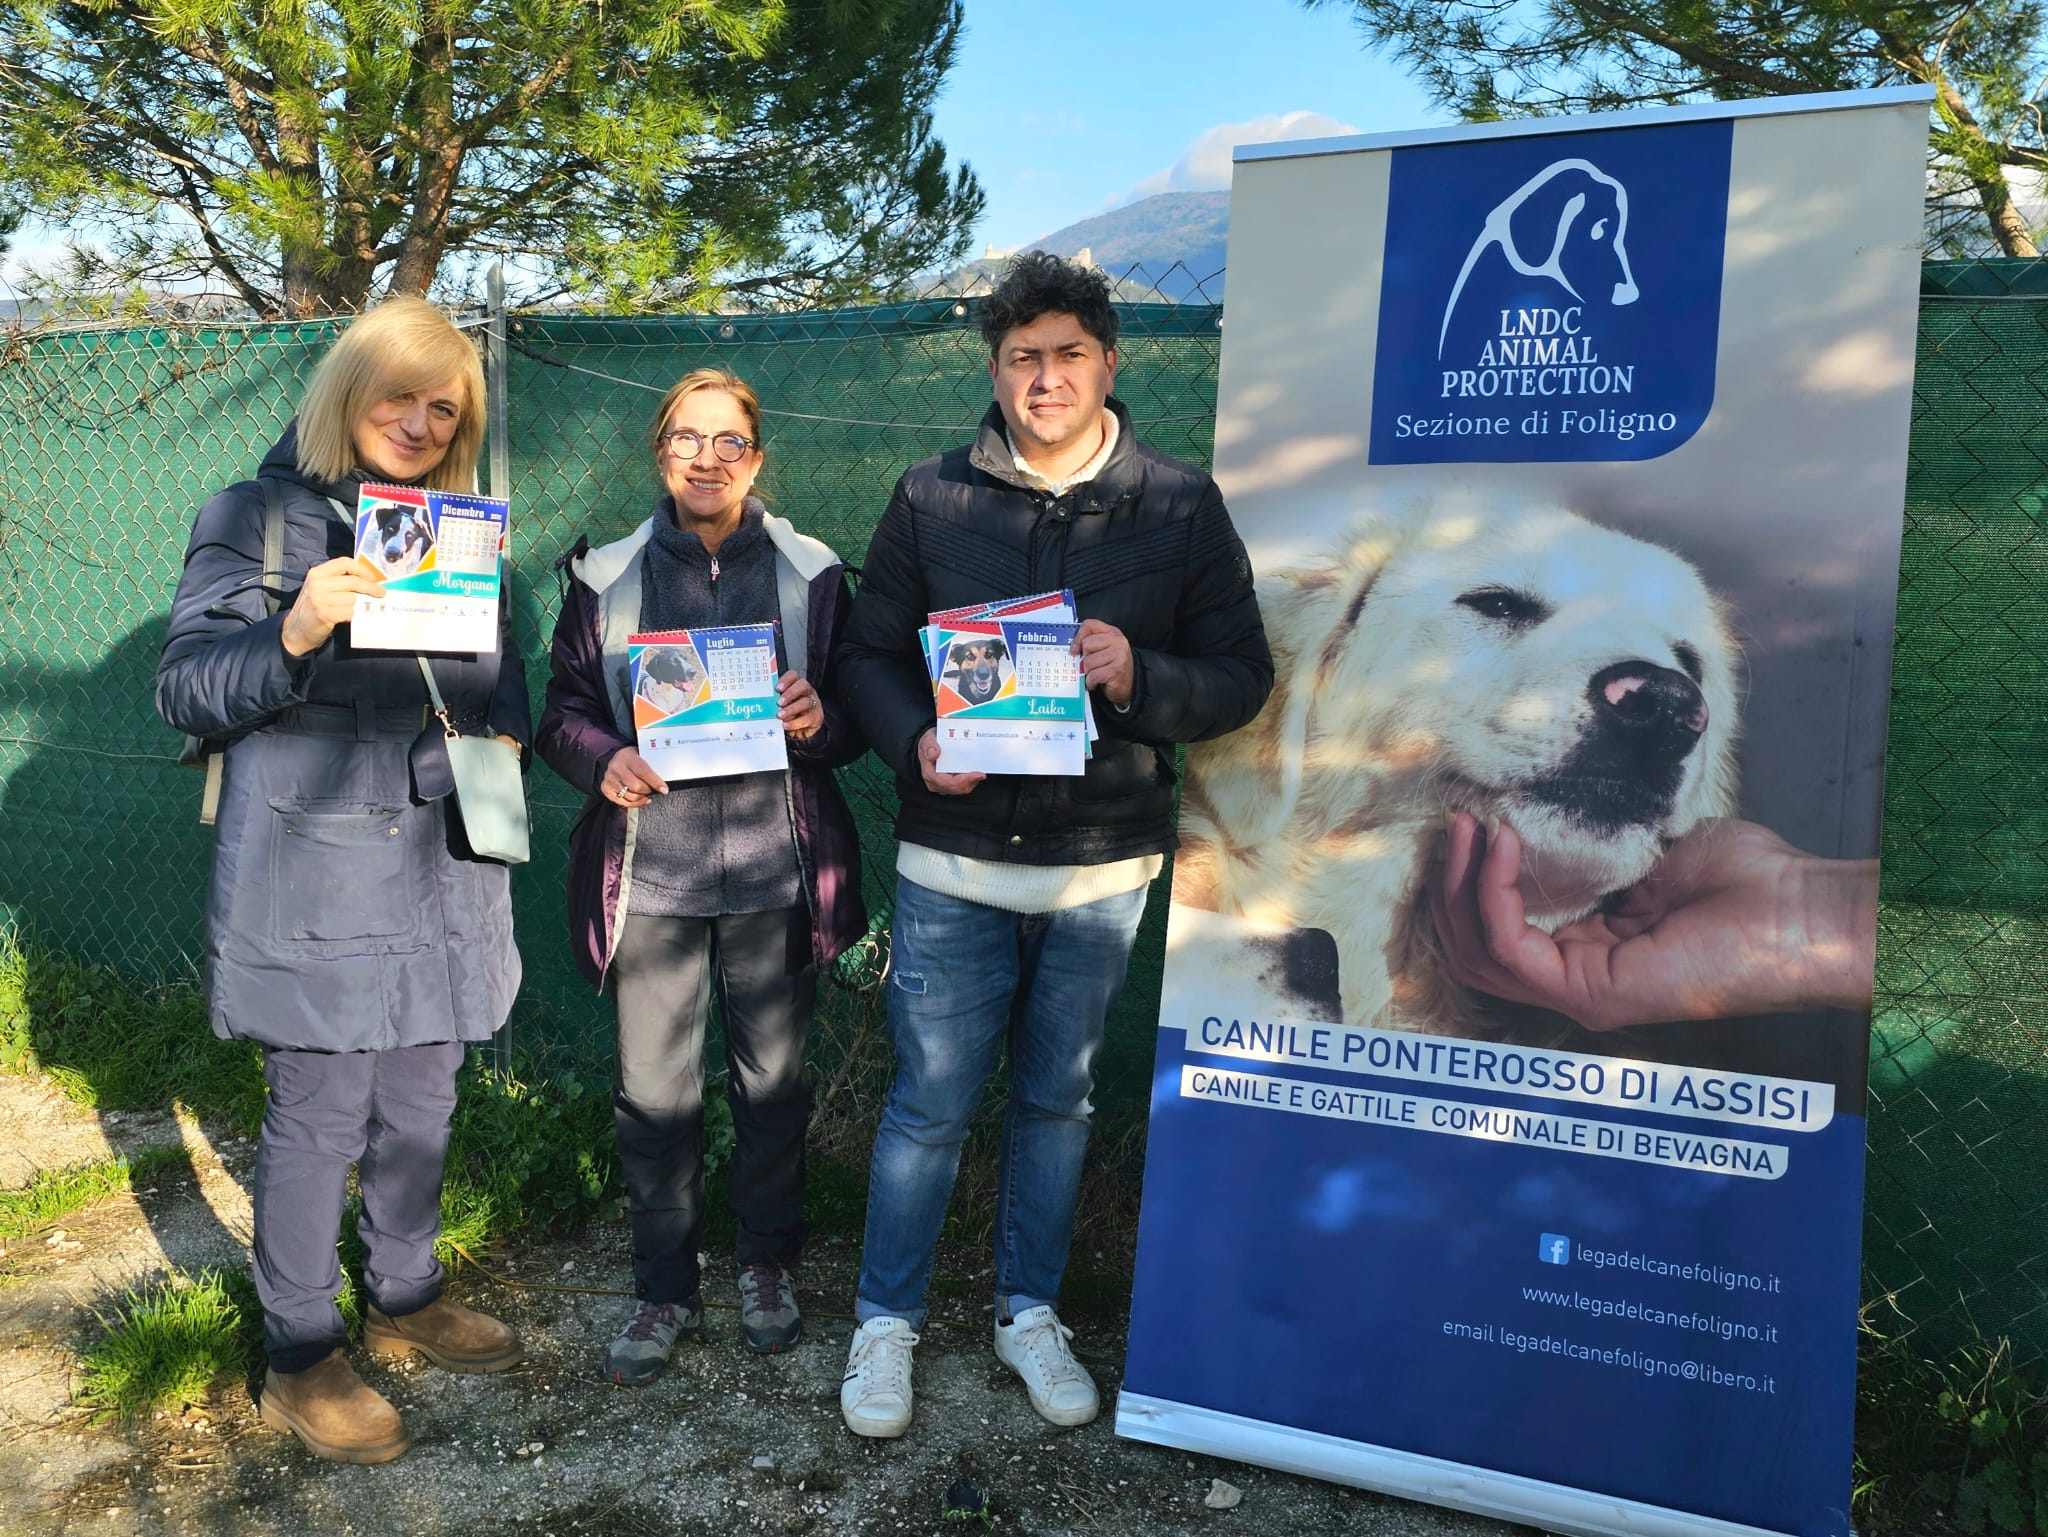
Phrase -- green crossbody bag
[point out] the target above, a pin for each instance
(488, 786)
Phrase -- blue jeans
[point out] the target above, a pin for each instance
(963, 978)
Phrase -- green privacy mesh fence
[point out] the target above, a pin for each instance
(109, 440)
(1957, 1218)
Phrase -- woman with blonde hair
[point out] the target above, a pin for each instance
(749, 882)
(349, 928)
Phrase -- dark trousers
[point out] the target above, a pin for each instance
(664, 971)
(387, 1113)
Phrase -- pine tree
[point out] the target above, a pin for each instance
(660, 153)
(1489, 59)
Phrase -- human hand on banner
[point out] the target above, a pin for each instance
(928, 764)
(1106, 664)
(1733, 921)
(327, 599)
(801, 711)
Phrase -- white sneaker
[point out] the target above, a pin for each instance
(874, 1397)
(1034, 1346)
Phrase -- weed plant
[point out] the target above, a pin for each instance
(1952, 1440)
(527, 1150)
(170, 1344)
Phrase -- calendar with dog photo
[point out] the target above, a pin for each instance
(394, 531)
(977, 669)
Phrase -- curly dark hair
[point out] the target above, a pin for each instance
(1037, 283)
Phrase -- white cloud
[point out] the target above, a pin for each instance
(1205, 167)
(26, 260)
(37, 247)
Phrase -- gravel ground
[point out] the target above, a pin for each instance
(725, 1443)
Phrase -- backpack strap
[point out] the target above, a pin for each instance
(273, 541)
(213, 755)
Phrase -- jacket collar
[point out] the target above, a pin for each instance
(282, 463)
(597, 569)
(1116, 480)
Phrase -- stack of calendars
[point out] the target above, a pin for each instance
(705, 701)
(1008, 687)
(438, 555)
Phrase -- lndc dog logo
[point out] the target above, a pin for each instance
(1567, 223)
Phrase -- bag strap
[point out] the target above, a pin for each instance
(273, 540)
(434, 693)
(209, 797)
(271, 581)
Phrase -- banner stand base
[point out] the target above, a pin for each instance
(1571, 1512)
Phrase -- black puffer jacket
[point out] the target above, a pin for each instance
(1146, 546)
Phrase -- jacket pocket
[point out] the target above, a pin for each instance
(339, 870)
(1127, 771)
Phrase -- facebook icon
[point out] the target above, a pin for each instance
(1554, 1249)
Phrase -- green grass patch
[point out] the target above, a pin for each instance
(1953, 1439)
(170, 1344)
(112, 1044)
(56, 1194)
(531, 1150)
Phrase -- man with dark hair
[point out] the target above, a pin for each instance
(1040, 283)
(1018, 896)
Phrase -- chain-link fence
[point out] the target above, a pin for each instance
(109, 439)
(1957, 1216)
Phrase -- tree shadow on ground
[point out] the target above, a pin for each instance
(104, 889)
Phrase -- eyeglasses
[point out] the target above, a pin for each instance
(730, 447)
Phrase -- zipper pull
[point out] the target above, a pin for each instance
(714, 568)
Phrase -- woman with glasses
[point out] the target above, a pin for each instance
(349, 929)
(745, 883)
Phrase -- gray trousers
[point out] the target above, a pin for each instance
(387, 1113)
(663, 970)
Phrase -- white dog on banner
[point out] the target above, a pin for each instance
(1526, 666)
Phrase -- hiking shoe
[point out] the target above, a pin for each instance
(874, 1398)
(768, 1316)
(1034, 1346)
(453, 1337)
(639, 1351)
(333, 1412)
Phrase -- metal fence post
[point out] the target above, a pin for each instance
(498, 440)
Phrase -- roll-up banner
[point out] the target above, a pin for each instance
(1507, 1126)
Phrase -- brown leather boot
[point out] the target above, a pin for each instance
(334, 1412)
(453, 1337)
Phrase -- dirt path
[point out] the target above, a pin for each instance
(724, 1443)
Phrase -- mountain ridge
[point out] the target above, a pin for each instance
(1168, 246)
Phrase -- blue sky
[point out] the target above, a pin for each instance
(1065, 112)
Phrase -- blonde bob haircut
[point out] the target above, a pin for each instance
(401, 346)
(709, 379)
